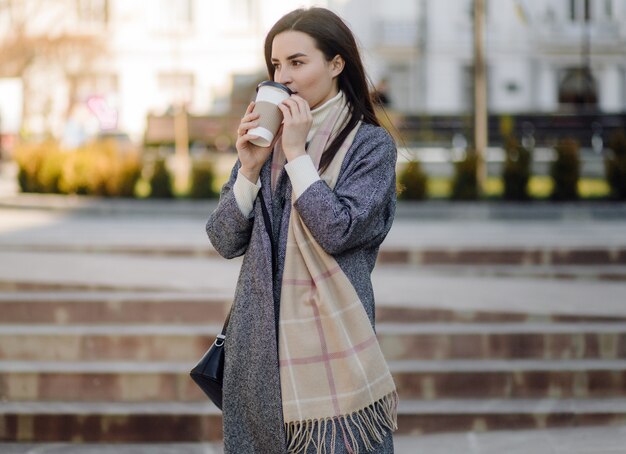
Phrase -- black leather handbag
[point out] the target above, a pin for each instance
(209, 372)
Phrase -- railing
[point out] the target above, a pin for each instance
(544, 129)
(424, 130)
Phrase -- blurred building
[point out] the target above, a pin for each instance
(93, 65)
(542, 55)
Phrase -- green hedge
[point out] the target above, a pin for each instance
(565, 170)
(160, 181)
(202, 180)
(615, 165)
(412, 182)
(465, 183)
(516, 171)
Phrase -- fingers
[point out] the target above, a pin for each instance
(296, 106)
(248, 120)
(248, 137)
(245, 126)
(296, 111)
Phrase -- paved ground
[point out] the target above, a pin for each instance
(598, 440)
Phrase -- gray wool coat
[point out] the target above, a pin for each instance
(349, 222)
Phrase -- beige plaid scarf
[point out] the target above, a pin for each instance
(334, 378)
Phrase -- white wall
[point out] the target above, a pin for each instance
(611, 89)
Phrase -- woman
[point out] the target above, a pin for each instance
(303, 371)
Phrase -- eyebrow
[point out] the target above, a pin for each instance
(291, 57)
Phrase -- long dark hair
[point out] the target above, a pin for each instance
(333, 37)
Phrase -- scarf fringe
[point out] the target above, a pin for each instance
(367, 425)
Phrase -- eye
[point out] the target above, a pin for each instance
(276, 66)
(296, 63)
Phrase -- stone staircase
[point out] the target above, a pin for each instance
(112, 366)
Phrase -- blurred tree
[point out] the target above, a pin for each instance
(516, 170)
(412, 182)
(465, 181)
(615, 165)
(565, 170)
(161, 181)
(45, 34)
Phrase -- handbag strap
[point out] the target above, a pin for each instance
(268, 228)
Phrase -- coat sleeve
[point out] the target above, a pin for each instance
(227, 228)
(360, 210)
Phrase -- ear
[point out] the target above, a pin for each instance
(337, 64)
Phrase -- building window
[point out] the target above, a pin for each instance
(578, 89)
(241, 13)
(93, 11)
(467, 87)
(174, 14)
(580, 10)
(175, 88)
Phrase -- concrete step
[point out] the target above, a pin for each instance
(585, 439)
(143, 448)
(503, 256)
(201, 421)
(458, 255)
(161, 381)
(611, 273)
(63, 305)
(138, 448)
(178, 342)
(110, 307)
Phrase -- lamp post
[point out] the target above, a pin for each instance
(587, 78)
(181, 144)
(480, 95)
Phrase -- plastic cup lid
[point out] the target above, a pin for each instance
(271, 83)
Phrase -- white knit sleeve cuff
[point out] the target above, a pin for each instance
(245, 193)
(302, 174)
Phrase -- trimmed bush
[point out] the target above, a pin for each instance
(126, 176)
(30, 159)
(565, 171)
(615, 165)
(95, 169)
(465, 183)
(516, 171)
(160, 181)
(412, 182)
(49, 175)
(100, 169)
(202, 178)
(76, 173)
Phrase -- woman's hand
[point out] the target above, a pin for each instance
(252, 157)
(296, 125)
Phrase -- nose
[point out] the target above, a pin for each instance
(283, 76)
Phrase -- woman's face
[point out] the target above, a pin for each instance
(301, 66)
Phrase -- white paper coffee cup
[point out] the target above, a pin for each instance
(269, 95)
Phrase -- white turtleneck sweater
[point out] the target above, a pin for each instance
(301, 170)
